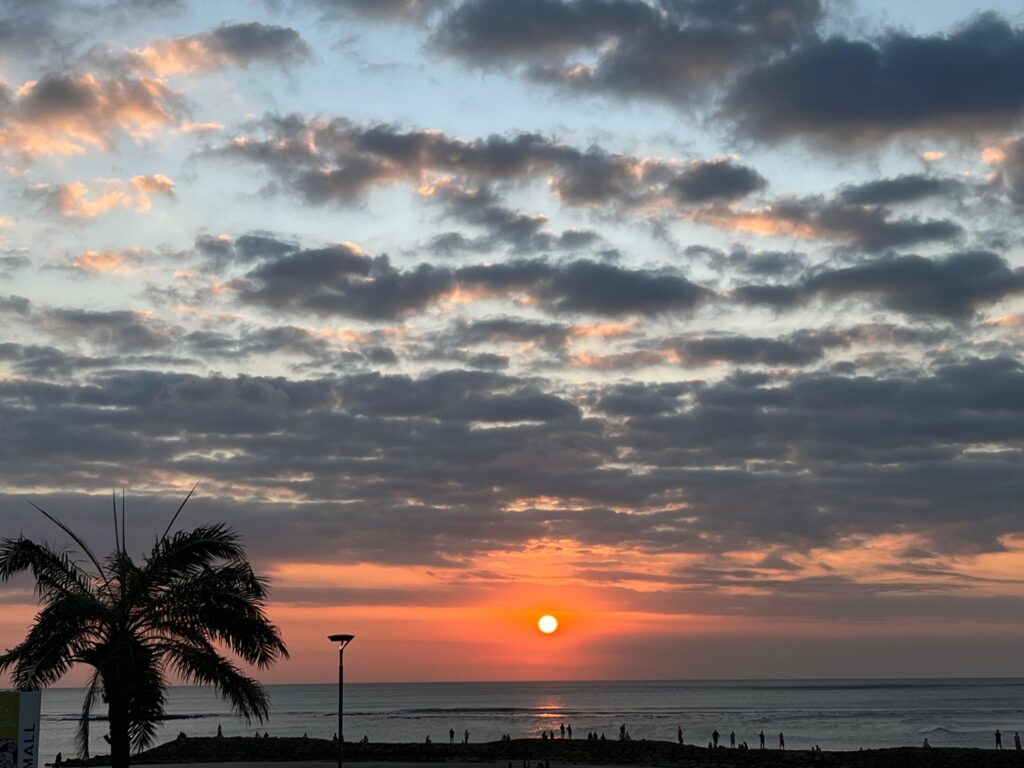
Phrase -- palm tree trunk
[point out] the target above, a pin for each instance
(120, 742)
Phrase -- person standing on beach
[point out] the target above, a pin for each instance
(732, 739)
(714, 738)
(762, 738)
(466, 737)
(999, 739)
(1016, 741)
(561, 729)
(451, 735)
(568, 730)
(782, 741)
(680, 735)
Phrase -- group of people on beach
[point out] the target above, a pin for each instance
(999, 740)
(451, 736)
(716, 737)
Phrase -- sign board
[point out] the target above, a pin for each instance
(19, 728)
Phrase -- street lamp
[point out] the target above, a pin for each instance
(342, 640)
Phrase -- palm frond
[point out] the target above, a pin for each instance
(202, 665)
(61, 631)
(82, 729)
(189, 552)
(174, 517)
(226, 603)
(54, 572)
(147, 695)
(75, 537)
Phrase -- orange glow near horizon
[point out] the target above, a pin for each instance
(617, 613)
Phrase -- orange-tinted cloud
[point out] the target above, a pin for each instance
(766, 222)
(231, 45)
(106, 261)
(79, 200)
(69, 114)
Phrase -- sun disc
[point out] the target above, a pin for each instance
(547, 624)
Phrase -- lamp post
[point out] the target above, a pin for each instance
(342, 640)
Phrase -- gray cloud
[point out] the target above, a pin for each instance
(503, 226)
(341, 280)
(119, 329)
(1011, 172)
(844, 92)
(716, 180)
(955, 286)
(796, 462)
(908, 188)
(375, 9)
(338, 161)
(670, 50)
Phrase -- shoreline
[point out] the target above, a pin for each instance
(198, 752)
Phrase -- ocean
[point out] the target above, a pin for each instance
(834, 714)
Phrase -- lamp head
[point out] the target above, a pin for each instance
(343, 639)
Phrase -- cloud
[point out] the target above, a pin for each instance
(343, 280)
(68, 114)
(107, 261)
(339, 161)
(73, 199)
(26, 28)
(118, 330)
(283, 339)
(908, 188)
(716, 180)
(551, 336)
(798, 349)
(744, 261)
(15, 305)
(700, 468)
(229, 45)
(375, 9)
(870, 227)
(47, 361)
(11, 264)
(669, 51)
(222, 251)
(504, 227)
(1008, 157)
(954, 287)
(844, 93)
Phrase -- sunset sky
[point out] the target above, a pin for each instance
(695, 324)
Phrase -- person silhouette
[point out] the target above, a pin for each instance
(466, 737)
(761, 735)
(451, 735)
(999, 739)
(679, 734)
(561, 730)
(714, 738)
(782, 741)
(1016, 741)
(926, 745)
(568, 730)
(220, 733)
(732, 739)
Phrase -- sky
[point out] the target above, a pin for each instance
(696, 324)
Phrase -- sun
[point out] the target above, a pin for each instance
(547, 624)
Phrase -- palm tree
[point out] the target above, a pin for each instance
(137, 625)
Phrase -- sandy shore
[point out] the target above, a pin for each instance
(534, 753)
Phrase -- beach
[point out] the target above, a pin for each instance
(314, 753)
